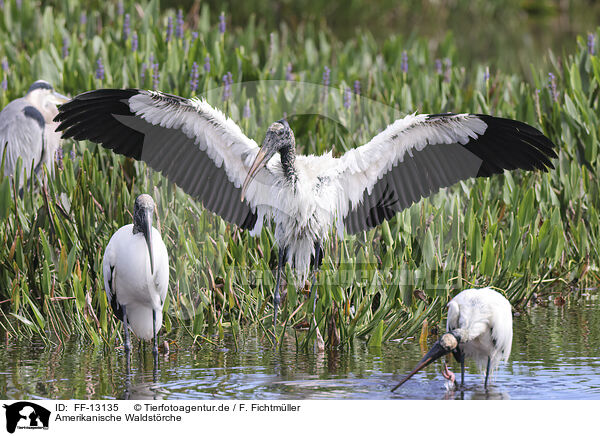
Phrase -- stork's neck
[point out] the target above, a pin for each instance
(288, 162)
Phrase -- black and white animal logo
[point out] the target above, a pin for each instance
(26, 415)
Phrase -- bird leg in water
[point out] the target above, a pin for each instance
(460, 358)
(318, 257)
(155, 344)
(487, 373)
(127, 341)
(276, 298)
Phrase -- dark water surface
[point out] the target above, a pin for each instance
(556, 355)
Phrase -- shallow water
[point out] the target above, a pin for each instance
(556, 355)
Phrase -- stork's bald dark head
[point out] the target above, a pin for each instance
(279, 138)
(449, 342)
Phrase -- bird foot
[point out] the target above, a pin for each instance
(449, 375)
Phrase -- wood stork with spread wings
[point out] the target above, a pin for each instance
(27, 129)
(136, 274)
(209, 157)
(479, 326)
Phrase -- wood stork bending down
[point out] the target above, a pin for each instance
(480, 327)
(136, 274)
(209, 157)
(27, 129)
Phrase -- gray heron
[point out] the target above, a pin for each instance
(479, 326)
(136, 274)
(208, 156)
(28, 131)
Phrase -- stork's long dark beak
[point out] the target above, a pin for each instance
(147, 230)
(435, 353)
(261, 160)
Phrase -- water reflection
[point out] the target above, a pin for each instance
(556, 355)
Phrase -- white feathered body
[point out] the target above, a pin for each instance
(483, 318)
(135, 286)
(303, 212)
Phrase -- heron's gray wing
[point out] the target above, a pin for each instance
(21, 135)
(419, 154)
(191, 143)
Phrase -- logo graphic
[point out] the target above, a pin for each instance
(26, 415)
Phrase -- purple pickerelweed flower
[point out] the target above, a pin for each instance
(134, 42)
(448, 70)
(5, 64)
(227, 82)
(222, 25)
(126, 26)
(1, 4)
(591, 44)
(438, 66)
(4, 84)
(19, 3)
(169, 34)
(552, 87)
(194, 77)
(143, 73)
(120, 8)
(83, 18)
(357, 87)
(207, 64)
(65, 46)
(179, 25)
(194, 36)
(347, 97)
(246, 113)
(288, 72)
(72, 154)
(486, 74)
(58, 157)
(326, 76)
(99, 69)
(404, 62)
(155, 76)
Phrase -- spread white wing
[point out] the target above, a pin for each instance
(191, 143)
(416, 156)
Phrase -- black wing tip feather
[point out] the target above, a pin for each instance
(511, 144)
(90, 116)
(512, 127)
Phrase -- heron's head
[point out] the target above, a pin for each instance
(143, 211)
(279, 138)
(446, 344)
(44, 98)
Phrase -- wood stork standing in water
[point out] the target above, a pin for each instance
(27, 129)
(209, 157)
(480, 327)
(136, 274)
